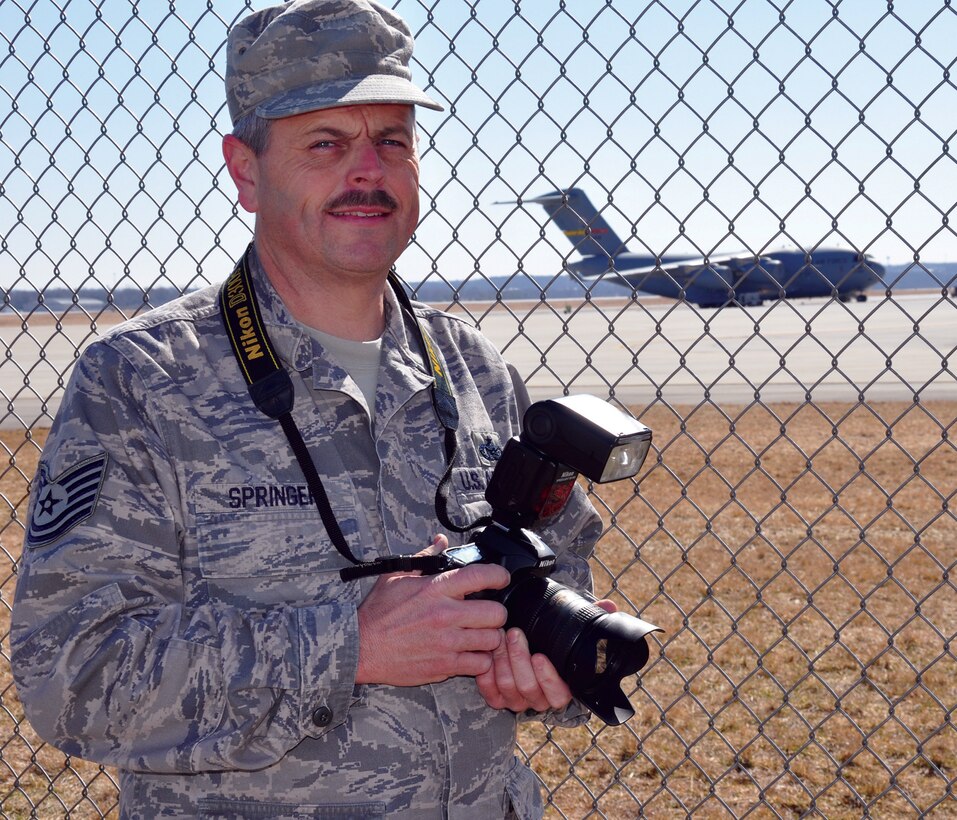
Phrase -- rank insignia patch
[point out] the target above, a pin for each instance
(65, 501)
(487, 446)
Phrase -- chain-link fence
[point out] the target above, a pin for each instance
(795, 532)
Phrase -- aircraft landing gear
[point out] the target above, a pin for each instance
(749, 300)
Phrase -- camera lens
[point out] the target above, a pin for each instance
(591, 649)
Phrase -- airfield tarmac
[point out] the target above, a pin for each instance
(636, 350)
(798, 350)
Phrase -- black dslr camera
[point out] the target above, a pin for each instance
(591, 649)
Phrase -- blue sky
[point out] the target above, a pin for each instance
(698, 127)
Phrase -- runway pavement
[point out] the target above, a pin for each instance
(799, 350)
(787, 351)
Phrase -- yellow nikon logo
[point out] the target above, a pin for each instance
(236, 298)
(252, 347)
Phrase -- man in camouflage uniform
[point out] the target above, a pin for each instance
(179, 611)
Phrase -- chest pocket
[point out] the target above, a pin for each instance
(267, 543)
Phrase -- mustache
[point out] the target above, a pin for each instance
(359, 199)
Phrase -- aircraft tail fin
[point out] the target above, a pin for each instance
(579, 220)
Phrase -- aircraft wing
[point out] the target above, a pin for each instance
(719, 272)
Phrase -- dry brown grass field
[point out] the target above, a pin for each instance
(801, 560)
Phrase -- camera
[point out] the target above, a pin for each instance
(591, 649)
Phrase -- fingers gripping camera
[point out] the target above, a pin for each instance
(592, 650)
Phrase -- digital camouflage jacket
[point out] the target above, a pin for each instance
(179, 612)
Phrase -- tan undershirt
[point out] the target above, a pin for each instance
(359, 359)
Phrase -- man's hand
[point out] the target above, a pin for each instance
(518, 680)
(421, 629)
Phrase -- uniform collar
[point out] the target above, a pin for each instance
(402, 362)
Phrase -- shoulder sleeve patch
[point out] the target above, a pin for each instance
(63, 502)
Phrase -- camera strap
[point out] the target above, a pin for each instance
(271, 390)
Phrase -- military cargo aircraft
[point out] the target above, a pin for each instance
(742, 279)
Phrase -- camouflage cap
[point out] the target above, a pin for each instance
(306, 55)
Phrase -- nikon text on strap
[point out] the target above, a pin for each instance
(272, 392)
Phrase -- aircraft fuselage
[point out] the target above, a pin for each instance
(742, 278)
(751, 280)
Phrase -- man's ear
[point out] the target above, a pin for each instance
(243, 167)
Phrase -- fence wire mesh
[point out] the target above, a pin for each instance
(794, 530)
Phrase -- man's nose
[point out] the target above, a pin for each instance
(366, 163)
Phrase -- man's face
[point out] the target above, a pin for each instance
(336, 191)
